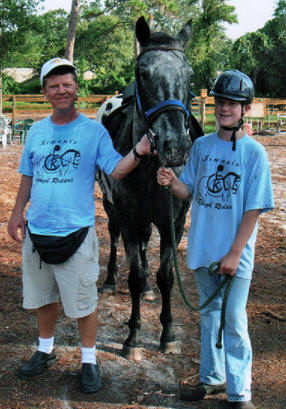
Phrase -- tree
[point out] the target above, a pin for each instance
(205, 48)
(15, 20)
(106, 48)
(72, 29)
(261, 55)
(105, 36)
(44, 40)
(246, 56)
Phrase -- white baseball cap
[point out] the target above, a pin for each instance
(54, 63)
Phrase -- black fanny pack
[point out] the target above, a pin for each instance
(57, 249)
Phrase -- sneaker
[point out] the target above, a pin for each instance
(39, 362)
(201, 390)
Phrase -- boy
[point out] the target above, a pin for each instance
(228, 177)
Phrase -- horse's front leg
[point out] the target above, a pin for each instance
(165, 281)
(148, 293)
(136, 283)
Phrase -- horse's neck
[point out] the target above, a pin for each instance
(138, 127)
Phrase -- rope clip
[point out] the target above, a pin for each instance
(213, 268)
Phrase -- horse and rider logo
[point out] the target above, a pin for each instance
(59, 164)
(220, 185)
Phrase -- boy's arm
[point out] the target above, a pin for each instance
(230, 262)
(17, 219)
(166, 177)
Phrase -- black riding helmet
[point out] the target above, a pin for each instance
(237, 86)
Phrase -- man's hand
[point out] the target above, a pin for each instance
(143, 147)
(17, 222)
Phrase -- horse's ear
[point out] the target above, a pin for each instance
(185, 34)
(142, 31)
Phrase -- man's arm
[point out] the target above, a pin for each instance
(129, 162)
(230, 261)
(17, 220)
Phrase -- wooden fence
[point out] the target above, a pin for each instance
(264, 112)
(36, 106)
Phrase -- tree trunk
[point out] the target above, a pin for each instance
(1, 109)
(71, 30)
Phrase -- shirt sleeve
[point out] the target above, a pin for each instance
(188, 175)
(259, 194)
(25, 166)
(108, 157)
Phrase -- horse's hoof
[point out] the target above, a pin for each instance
(171, 347)
(107, 289)
(148, 295)
(132, 353)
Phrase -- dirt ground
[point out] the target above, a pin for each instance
(154, 381)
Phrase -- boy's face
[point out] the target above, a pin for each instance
(61, 91)
(228, 112)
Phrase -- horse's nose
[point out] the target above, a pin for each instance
(175, 143)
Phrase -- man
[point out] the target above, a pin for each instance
(58, 166)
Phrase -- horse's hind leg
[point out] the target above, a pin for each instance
(109, 286)
(137, 285)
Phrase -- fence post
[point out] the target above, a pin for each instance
(13, 113)
(78, 103)
(203, 95)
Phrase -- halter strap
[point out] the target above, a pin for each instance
(167, 105)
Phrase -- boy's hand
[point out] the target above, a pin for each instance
(229, 264)
(165, 176)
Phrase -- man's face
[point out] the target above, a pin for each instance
(61, 91)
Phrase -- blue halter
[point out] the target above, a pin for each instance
(170, 104)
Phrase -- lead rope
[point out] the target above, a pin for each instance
(213, 268)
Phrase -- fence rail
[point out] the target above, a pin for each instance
(264, 110)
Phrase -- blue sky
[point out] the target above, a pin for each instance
(252, 14)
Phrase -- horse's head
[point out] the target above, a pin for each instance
(163, 78)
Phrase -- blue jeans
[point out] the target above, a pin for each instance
(232, 363)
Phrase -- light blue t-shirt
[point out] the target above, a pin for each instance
(63, 159)
(224, 185)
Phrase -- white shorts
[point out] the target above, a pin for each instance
(73, 282)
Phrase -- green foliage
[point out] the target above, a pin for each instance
(105, 42)
(30, 87)
(208, 48)
(261, 55)
(107, 49)
(45, 40)
(9, 85)
(16, 19)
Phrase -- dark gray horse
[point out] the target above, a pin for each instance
(158, 105)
